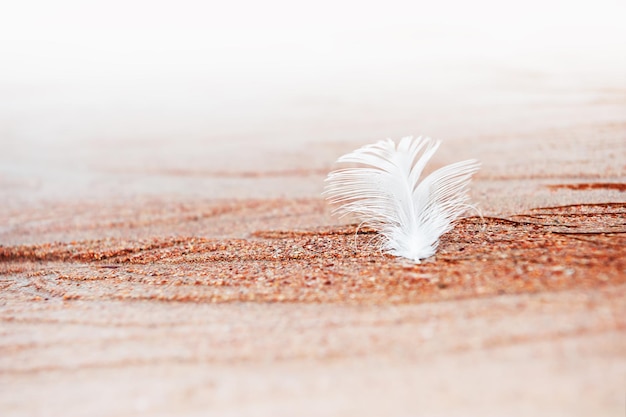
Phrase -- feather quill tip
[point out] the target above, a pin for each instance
(383, 189)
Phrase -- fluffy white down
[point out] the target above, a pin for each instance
(383, 190)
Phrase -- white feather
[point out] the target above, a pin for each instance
(385, 192)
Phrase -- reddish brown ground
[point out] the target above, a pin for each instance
(550, 249)
(172, 289)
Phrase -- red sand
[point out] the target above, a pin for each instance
(571, 247)
(171, 304)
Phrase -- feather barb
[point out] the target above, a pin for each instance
(383, 190)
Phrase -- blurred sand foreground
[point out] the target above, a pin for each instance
(154, 270)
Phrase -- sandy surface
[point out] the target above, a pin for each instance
(205, 276)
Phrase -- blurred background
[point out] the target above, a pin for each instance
(127, 97)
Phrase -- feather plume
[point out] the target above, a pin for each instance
(385, 193)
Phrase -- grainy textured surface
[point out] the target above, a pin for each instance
(550, 249)
(166, 288)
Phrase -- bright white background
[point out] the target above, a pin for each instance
(247, 40)
(158, 81)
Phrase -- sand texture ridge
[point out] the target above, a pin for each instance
(205, 276)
